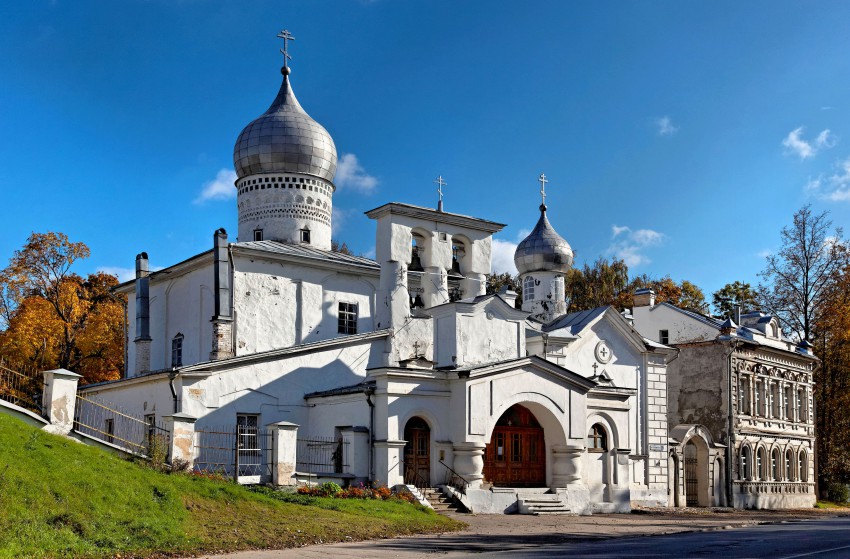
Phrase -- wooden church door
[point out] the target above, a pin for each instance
(417, 453)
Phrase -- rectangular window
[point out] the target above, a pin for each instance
(664, 336)
(305, 235)
(258, 234)
(177, 351)
(347, 318)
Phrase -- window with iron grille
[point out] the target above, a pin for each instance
(347, 318)
(597, 439)
(177, 351)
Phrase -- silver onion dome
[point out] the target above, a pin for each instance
(543, 250)
(285, 139)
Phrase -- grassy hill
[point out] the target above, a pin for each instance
(59, 498)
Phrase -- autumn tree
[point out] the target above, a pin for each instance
(685, 295)
(797, 278)
(53, 318)
(727, 297)
(495, 282)
(603, 283)
(831, 338)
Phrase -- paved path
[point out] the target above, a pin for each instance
(714, 533)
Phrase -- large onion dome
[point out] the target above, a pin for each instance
(285, 139)
(543, 250)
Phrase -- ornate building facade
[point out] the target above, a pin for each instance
(740, 408)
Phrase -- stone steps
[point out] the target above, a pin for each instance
(439, 501)
(541, 504)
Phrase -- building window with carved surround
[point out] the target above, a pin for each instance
(745, 467)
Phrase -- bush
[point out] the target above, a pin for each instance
(837, 492)
(329, 489)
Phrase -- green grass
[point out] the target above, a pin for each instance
(59, 498)
(830, 505)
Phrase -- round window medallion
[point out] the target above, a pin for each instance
(603, 352)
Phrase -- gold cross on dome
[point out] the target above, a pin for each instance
(286, 36)
(543, 180)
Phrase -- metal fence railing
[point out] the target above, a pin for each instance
(239, 452)
(142, 436)
(321, 455)
(23, 389)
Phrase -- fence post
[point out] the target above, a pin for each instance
(358, 451)
(60, 399)
(181, 429)
(284, 447)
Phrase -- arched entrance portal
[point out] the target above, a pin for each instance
(417, 452)
(516, 455)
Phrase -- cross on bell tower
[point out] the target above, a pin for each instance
(440, 184)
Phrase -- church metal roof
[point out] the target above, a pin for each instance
(307, 251)
(285, 139)
(544, 250)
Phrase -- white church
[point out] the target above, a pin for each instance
(426, 378)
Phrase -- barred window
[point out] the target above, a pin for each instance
(597, 439)
(347, 318)
(177, 351)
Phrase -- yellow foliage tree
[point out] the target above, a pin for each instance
(54, 318)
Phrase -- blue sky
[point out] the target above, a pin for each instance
(680, 136)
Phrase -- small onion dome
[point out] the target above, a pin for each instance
(543, 250)
(285, 139)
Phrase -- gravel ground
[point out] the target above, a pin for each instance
(495, 532)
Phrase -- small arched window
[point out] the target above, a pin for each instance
(177, 350)
(597, 439)
(744, 472)
(776, 465)
(528, 288)
(804, 466)
(789, 466)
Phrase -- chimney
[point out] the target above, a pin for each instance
(143, 315)
(644, 297)
(508, 295)
(222, 320)
(736, 312)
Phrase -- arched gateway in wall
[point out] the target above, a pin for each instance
(516, 453)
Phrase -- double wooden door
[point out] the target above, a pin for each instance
(516, 455)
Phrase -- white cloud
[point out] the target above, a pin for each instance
(502, 254)
(502, 257)
(835, 187)
(665, 126)
(629, 245)
(804, 149)
(220, 188)
(350, 174)
(339, 217)
(124, 274)
(764, 253)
